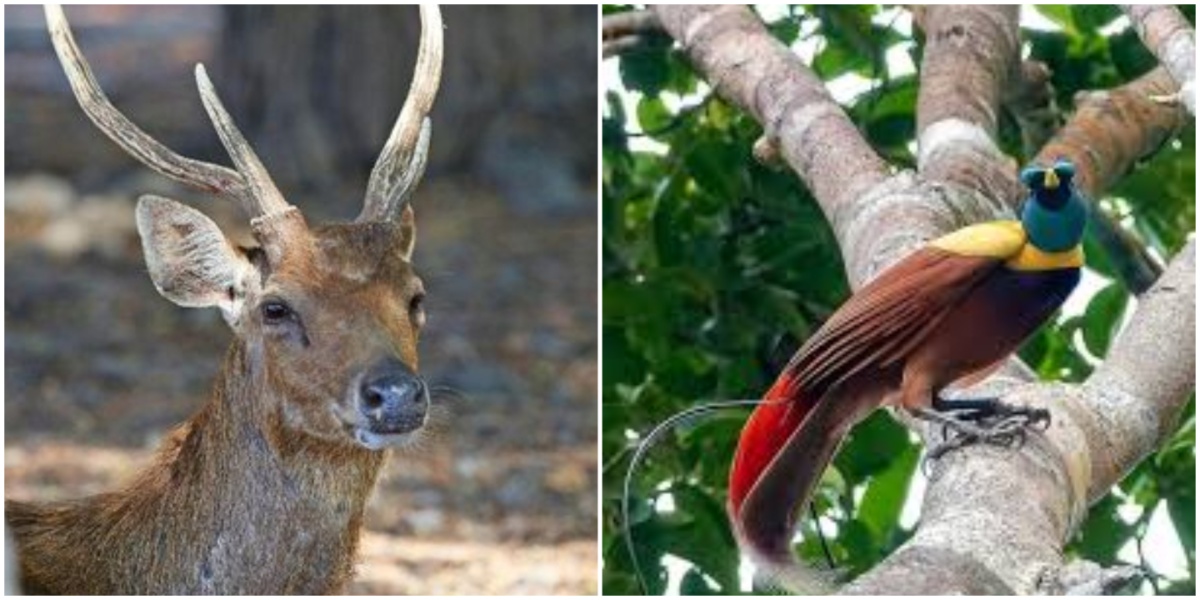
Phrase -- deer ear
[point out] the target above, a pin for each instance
(408, 232)
(190, 261)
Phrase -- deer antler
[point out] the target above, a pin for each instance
(249, 185)
(402, 161)
(267, 198)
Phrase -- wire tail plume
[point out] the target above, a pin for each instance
(667, 425)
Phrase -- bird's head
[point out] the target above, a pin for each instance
(1051, 186)
(1055, 214)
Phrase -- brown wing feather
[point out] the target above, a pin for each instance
(785, 446)
(887, 319)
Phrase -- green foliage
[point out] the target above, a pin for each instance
(716, 269)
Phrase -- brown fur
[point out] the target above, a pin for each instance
(261, 491)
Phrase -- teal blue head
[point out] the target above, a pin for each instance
(1055, 214)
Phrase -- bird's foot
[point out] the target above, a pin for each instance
(959, 430)
(986, 421)
(991, 412)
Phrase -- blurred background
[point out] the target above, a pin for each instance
(98, 366)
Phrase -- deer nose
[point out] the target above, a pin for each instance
(393, 398)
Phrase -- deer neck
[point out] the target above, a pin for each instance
(281, 506)
(243, 425)
(225, 508)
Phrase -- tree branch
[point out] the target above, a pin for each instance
(993, 520)
(1169, 36)
(971, 54)
(1130, 258)
(1137, 395)
(1112, 129)
(878, 217)
(634, 22)
(627, 31)
(736, 54)
(1109, 133)
(1031, 103)
(1001, 517)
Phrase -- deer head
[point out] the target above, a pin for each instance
(329, 315)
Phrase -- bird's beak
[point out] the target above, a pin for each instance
(1051, 180)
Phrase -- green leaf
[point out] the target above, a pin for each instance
(646, 72)
(693, 584)
(715, 165)
(785, 30)
(1103, 318)
(1103, 534)
(698, 534)
(1183, 516)
(653, 115)
(1059, 14)
(886, 492)
(1092, 17)
(621, 363)
(861, 549)
(837, 59)
(872, 447)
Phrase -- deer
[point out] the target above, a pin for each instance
(263, 489)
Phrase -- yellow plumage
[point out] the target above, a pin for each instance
(1000, 240)
(1006, 241)
(1032, 259)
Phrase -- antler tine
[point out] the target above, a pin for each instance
(401, 163)
(264, 198)
(114, 124)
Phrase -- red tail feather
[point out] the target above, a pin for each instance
(768, 429)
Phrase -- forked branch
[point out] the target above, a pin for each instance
(972, 538)
(1172, 39)
(622, 32)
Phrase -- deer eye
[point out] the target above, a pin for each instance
(416, 309)
(275, 312)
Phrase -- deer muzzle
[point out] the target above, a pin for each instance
(393, 402)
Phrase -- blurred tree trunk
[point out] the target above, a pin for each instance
(320, 86)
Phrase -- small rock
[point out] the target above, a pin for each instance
(519, 491)
(425, 521)
(110, 221)
(65, 239)
(468, 466)
(104, 224)
(568, 479)
(38, 196)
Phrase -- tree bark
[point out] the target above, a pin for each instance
(1110, 131)
(994, 521)
(1004, 516)
(1031, 102)
(1171, 38)
(1137, 124)
(627, 31)
(971, 55)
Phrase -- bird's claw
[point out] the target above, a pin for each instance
(1002, 425)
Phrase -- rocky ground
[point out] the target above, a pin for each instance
(98, 366)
